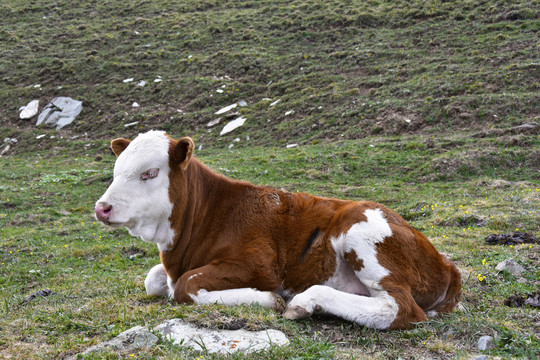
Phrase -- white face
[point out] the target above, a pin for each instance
(138, 197)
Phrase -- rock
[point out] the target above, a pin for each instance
(213, 122)
(226, 108)
(135, 104)
(511, 266)
(40, 136)
(220, 341)
(485, 343)
(275, 102)
(517, 238)
(220, 91)
(481, 357)
(242, 103)
(141, 83)
(134, 338)
(30, 110)
(291, 146)
(128, 80)
(290, 112)
(5, 150)
(233, 125)
(131, 124)
(532, 299)
(61, 111)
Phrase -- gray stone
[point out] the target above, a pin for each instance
(511, 266)
(233, 125)
(220, 341)
(213, 122)
(481, 357)
(61, 111)
(485, 343)
(226, 108)
(30, 110)
(134, 338)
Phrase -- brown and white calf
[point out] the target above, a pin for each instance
(231, 242)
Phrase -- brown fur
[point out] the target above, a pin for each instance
(242, 235)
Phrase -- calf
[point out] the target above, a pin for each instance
(231, 242)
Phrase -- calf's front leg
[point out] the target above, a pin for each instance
(227, 284)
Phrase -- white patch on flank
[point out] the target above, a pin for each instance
(338, 295)
(362, 238)
(142, 206)
(231, 297)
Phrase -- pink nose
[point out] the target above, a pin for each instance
(103, 212)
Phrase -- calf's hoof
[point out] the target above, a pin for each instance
(296, 313)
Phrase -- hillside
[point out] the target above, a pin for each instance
(341, 70)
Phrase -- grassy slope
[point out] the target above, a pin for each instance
(464, 74)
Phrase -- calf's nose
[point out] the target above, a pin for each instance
(103, 212)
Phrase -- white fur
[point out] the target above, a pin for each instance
(143, 207)
(338, 295)
(231, 297)
(156, 281)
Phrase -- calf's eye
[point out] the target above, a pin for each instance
(149, 174)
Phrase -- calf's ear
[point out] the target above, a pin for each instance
(182, 152)
(119, 145)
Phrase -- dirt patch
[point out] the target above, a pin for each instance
(40, 293)
(133, 252)
(532, 300)
(511, 239)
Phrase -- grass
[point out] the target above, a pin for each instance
(50, 240)
(410, 103)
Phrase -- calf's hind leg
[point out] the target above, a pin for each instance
(379, 312)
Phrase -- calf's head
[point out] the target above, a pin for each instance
(139, 197)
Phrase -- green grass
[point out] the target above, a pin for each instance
(50, 240)
(410, 103)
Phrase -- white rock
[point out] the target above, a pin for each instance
(128, 80)
(233, 125)
(141, 83)
(5, 150)
(219, 91)
(242, 103)
(30, 110)
(290, 112)
(485, 343)
(61, 111)
(291, 146)
(157, 80)
(226, 108)
(231, 146)
(213, 122)
(510, 265)
(134, 338)
(408, 121)
(40, 136)
(131, 124)
(236, 140)
(220, 341)
(275, 102)
(135, 104)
